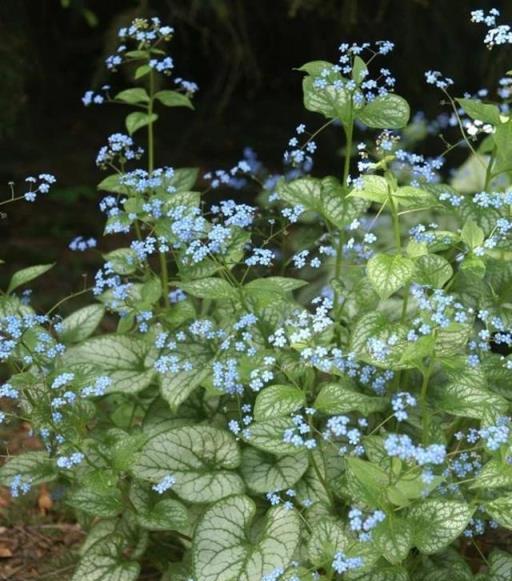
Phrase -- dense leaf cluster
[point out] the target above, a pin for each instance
(310, 388)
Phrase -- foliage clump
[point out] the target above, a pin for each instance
(313, 387)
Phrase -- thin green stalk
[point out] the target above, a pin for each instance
(72, 296)
(488, 171)
(349, 132)
(425, 413)
(151, 143)
(164, 272)
(396, 222)
(10, 200)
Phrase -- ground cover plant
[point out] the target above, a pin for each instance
(316, 386)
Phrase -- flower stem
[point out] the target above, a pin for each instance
(425, 413)
(164, 273)
(349, 131)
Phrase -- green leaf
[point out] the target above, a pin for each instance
(133, 96)
(472, 235)
(500, 565)
(183, 179)
(277, 400)
(366, 480)
(393, 538)
(446, 565)
(388, 273)
(410, 486)
(332, 102)
(415, 198)
(105, 561)
(467, 396)
(225, 548)
(376, 451)
(138, 54)
(370, 324)
(25, 275)
(432, 270)
(100, 500)
(479, 111)
(124, 449)
(315, 68)
(176, 387)
(503, 140)
(81, 324)
(359, 70)
(372, 188)
(325, 197)
(494, 474)
(416, 249)
(414, 353)
(337, 207)
(209, 288)
(385, 112)
(201, 458)
(470, 176)
(382, 572)
(156, 513)
(173, 99)
(268, 436)
(150, 292)
(273, 285)
(327, 538)
(113, 183)
(264, 472)
(473, 266)
(160, 418)
(452, 339)
(33, 467)
(123, 260)
(122, 358)
(141, 71)
(438, 522)
(340, 398)
(500, 510)
(133, 538)
(305, 192)
(137, 120)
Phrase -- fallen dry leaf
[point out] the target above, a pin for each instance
(5, 552)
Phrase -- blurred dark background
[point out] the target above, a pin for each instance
(240, 52)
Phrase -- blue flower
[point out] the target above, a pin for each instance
(165, 483)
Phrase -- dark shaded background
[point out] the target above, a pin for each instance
(240, 52)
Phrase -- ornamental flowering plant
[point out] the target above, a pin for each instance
(316, 386)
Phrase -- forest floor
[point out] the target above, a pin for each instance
(37, 540)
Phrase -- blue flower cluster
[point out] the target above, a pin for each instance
(341, 563)
(14, 328)
(401, 446)
(68, 462)
(400, 402)
(81, 244)
(497, 34)
(363, 525)
(39, 185)
(338, 427)
(166, 483)
(120, 148)
(20, 485)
